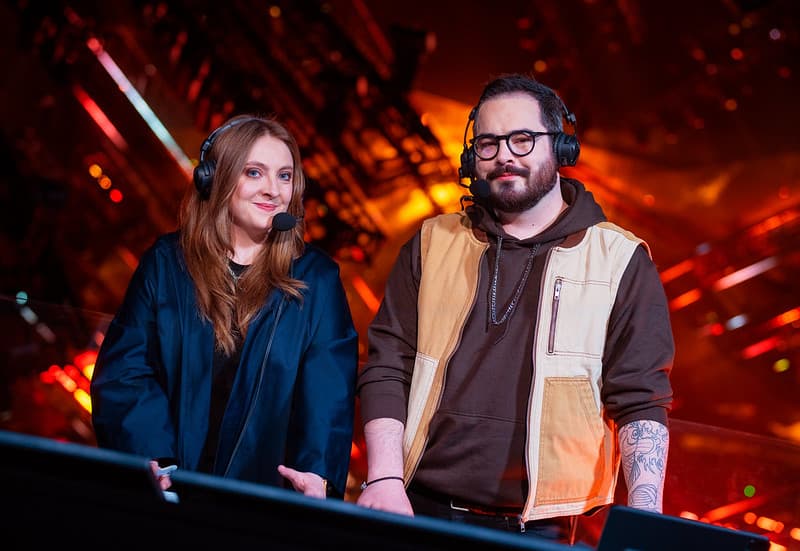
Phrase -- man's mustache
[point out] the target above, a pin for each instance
(508, 169)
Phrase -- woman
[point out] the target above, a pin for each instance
(234, 352)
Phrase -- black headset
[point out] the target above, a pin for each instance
(566, 146)
(204, 171)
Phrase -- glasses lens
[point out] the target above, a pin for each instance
(486, 147)
(520, 143)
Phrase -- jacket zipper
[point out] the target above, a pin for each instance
(258, 387)
(533, 379)
(551, 341)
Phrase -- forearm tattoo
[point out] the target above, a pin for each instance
(644, 446)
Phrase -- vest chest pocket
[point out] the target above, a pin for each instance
(579, 317)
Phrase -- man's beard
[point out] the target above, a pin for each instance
(537, 185)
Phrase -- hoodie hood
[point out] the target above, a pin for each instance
(582, 211)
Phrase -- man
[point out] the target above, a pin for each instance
(522, 347)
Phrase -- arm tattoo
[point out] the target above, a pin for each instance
(644, 445)
(643, 496)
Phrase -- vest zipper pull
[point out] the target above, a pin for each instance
(521, 524)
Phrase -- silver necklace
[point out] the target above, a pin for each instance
(520, 285)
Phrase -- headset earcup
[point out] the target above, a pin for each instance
(567, 149)
(203, 174)
(467, 168)
(204, 177)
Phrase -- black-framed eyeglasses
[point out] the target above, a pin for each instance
(519, 142)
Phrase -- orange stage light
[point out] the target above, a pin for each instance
(744, 274)
(99, 117)
(685, 299)
(761, 347)
(366, 294)
(785, 319)
(83, 399)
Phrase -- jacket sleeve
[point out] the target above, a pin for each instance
(324, 400)
(384, 382)
(130, 411)
(639, 347)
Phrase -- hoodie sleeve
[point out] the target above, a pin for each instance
(384, 382)
(639, 347)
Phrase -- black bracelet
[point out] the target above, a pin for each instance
(365, 483)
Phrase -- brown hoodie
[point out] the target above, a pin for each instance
(476, 443)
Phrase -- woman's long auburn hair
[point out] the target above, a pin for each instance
(205, 235)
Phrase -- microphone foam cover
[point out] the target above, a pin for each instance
(283, 221)
(480, 189)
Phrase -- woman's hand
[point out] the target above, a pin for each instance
(163, 477)
(309, 484)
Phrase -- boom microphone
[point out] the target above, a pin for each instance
(283, 221)
(480, 189)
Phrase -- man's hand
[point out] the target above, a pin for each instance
(384, 439)
(386, 495)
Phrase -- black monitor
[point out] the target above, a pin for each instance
(628, 529)
(42, 466)
(63, 495)
(59, 492)
(250, 514)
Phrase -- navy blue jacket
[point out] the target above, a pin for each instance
(292, 400)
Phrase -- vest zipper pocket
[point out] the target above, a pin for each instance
(551, 341)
